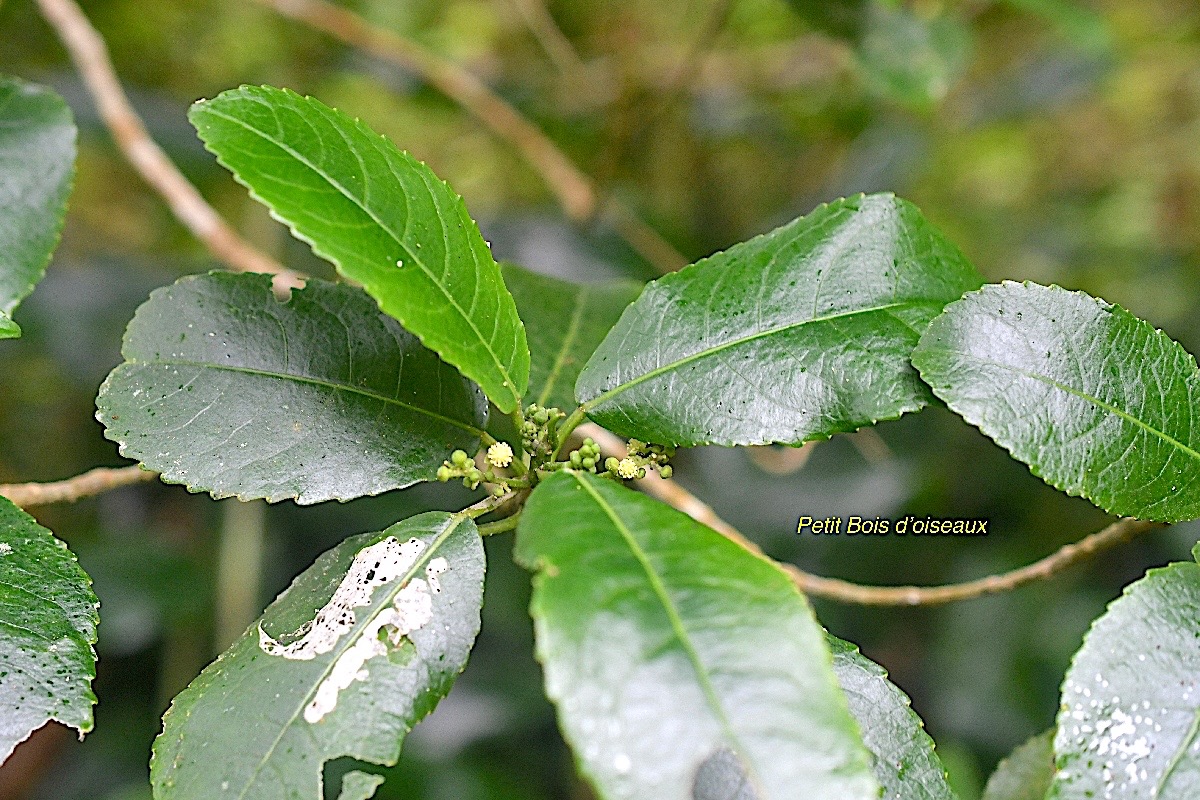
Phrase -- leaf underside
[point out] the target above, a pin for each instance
(47, 629)
(1098, 403)
(1026, 773)
(564, 322)
(792, 336)
(681, 665)
(37, 165)
(1129, 720)
(382, 218)
(227, 390)
(240, 731)
(903, 758)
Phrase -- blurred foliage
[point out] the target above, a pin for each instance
(1052, 140)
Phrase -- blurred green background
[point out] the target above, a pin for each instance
(1053, 141)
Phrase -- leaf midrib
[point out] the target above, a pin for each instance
(657, 371)
(453, 522)
(262, 373)
(677, 626)
(508, 379)
(1179, 754)
(1046, 379)
(567, 343)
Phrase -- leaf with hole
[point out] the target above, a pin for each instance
(792, 336)
(382, 218)
(1129, 718)
(37, 166)
(1098, 403)
(682, 665)
(227, 390)
(902, 755)
(47, 629)
(345, 662)
(565, 322)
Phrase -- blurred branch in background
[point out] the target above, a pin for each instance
(90, 55)
(637, 122)
(93, 482)
(558, 47)
(681, 499)
(576, 192)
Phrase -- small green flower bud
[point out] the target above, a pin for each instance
(444, 474)
(641, 473)
(666, 471)
(459, 458)
(540, 416)
(611, 463)
(576, 459)
(588, 462)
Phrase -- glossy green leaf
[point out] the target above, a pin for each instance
(37, 165)
(795, 335)
(1026, 773)
(682, 666)
(384, 220)
(902, 755)
(360, 648)
(910, 57)
(47, 629)
(1097, 402)
(1129, 721)
(227, 390)
(565, 322)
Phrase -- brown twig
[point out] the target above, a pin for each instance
(575, 191)
(677, 497)
(93, 482)
(90, 55)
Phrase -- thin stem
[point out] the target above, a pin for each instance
(518, 464)
(541, 24)
(90, 55)
(576, 192)
(677, 497)
(500, 525)
(489, 504)
(569, 425)
(90, 483)
(239, 569)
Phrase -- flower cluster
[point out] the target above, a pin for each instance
(642, 456)
(540, 429)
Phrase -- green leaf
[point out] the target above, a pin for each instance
(1026, 773)
(1129, 721)
(911, 58)
(47, 629)
(681, 665)
(329, 670)
(795, 335)
(37, 166)
(1097, 402)
(903, 758)
(384, 220)
(565, 322)
(226, 390)
(359, 785)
